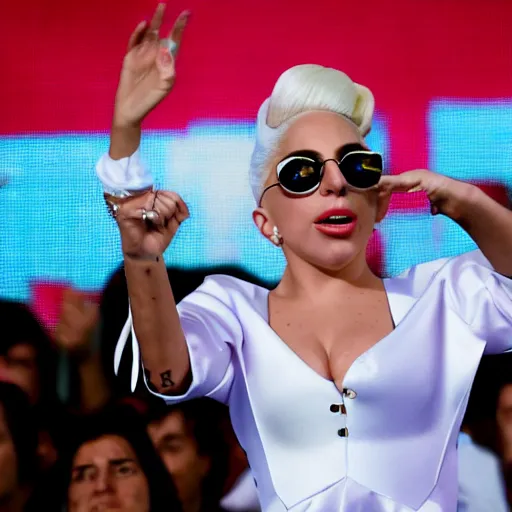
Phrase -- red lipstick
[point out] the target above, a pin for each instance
(337, 222)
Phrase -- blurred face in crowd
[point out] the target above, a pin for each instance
(504, 419)
(106, 475)
(179, 450)
(19, 365)
(8, 461)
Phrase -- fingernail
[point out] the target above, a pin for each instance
(414, 189)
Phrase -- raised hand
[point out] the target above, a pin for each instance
(148, 72)
(149, 222)
(445, 194)
(78, 320)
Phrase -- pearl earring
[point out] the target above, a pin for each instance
(276, 238)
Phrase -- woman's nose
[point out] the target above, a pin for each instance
(333, 182)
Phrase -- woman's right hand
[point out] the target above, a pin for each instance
(149, 222)
(148, 71)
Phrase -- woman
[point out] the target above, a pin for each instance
(346, 391)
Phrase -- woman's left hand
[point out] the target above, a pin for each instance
(446, 195)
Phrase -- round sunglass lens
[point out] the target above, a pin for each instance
(299, 175)
(362, 170)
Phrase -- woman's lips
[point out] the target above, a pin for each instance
(337, 230)
(337, 222)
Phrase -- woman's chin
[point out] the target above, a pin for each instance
(336, 258)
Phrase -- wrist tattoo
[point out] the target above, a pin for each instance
(166, 382)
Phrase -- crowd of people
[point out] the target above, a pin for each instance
(103, 447)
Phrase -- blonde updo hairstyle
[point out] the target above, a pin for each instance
(299, 90)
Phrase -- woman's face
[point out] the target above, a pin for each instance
(320, 244)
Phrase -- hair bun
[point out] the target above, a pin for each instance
(302, 89)
(362, 115)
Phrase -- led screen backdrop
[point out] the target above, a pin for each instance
(440, 71)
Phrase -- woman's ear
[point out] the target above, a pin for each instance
(383, 200)
(263, 222)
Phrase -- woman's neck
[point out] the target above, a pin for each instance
(304, 279)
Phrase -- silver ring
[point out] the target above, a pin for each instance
(113, 208)
(149, 216)
(152, 215)
(170, 45)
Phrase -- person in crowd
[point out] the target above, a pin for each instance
(19, 465)
(111, 465)
(240, 493)
(504, 427)
(88, 332)
(346, 390)
(481, 482)
(28, 359)
(504, 422)
(190, 440)
(77, 336)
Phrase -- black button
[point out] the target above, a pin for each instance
(335, 408)
(343, 432)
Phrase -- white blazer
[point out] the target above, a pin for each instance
(395, 448)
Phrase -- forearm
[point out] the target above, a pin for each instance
(94, 389)
(124, 139)
(490, 225)
(157, 325)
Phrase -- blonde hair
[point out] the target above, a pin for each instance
(299, 90)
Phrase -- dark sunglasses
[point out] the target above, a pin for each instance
(301, 175)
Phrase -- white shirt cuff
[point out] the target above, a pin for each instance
(120, 177)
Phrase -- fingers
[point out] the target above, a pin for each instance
(165, 64)
(166, 205)
(176, 32)
(171, 210)
(133, 207)
(181, 209)
(137, 35)
(156, 22)
(71, 296)
(77, 302)
(406, 182)
(388, 184)
(78, 316)
(167, 209)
